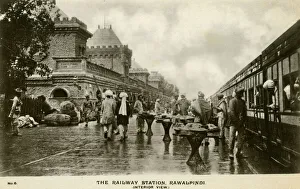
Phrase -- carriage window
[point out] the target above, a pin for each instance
(294, 62)
(251, 98)
(291, 75)
(260, 78)
(257, 80)
(245, 96)
(251, 82)
(259, 96)
(269, 73)
(291, 91)
(285, 66)
(275, 71)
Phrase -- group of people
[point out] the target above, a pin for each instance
(232, 115)
(17, 121)
(115, 113)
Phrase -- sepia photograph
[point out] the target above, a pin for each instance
(156, 94)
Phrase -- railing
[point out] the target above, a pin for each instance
(99, 70)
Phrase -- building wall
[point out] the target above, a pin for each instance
(80, 43)
(140, 76)
(110, 62)
(63, 45)
(111, 57)
(154, 84)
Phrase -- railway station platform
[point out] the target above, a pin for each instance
(80, 150)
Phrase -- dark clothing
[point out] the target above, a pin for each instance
(87, 109)
(184, 105)
(237, 112)
(98, 110)
(47, 109)
(175, 107)
(122, 119)
(237, 117)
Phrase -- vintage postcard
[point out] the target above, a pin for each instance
(149, 94)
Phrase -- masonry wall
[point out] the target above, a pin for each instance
(140, 76)
(113, 63)
(154, 84)
(80, 43)
(109, 59)
(63, 45)
(75, 94)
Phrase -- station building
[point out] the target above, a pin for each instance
(83, 62)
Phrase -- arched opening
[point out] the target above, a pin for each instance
(59, 93)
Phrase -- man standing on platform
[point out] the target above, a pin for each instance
(158, 107)
(108, 109)
(87, 108)
(202, 110)
(138, 108)
(98, 105)
(175, 106)
(184, 105)
(222, 114)
(237, 118)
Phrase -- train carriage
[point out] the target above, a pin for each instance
(273, 113)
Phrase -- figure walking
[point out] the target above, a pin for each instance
(237, 118)
(158, 108)
(138, 107)
(108, 109)
(184, 105)
(15, 112)
(222, 114)
(98, 105)
(202, 110)
(123, 113)
(87, 109)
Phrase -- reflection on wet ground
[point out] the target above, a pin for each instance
(83, 151)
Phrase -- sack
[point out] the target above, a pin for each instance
(92, 116)
(196, 110)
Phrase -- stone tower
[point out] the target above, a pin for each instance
(105, 49)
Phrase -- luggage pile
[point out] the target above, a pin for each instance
(57, 119)
(68, 108)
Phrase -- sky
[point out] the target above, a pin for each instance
(197, 45)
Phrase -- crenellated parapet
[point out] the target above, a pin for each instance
(141, 74)
(65, 25)
(115, 57)
(139, 70)
(91, 50)
(155, 76)
(65, 21)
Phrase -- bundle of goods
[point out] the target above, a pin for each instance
(69, 108)
(191, 128)
(57, 119)
(146, 115)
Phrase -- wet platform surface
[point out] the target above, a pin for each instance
(77, 150)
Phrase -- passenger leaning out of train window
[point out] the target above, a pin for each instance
(293, 97)
(270, 85)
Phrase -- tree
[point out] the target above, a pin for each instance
(25, 29)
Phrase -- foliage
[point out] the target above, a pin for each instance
(26, 28)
